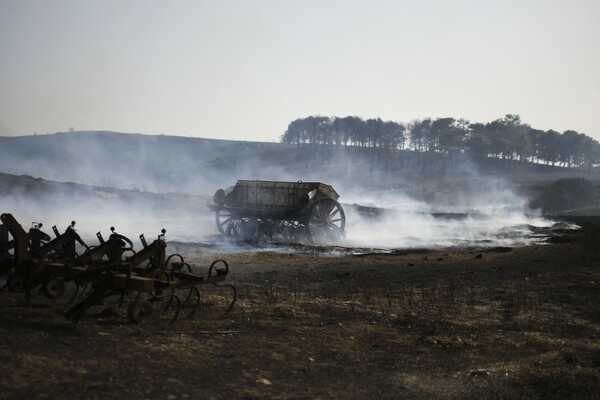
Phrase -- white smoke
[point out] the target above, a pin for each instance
(486, 213)
(169, 187)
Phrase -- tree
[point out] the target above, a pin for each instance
(506, 138)
(296, 132)
(509, 138)
(392, 140)
(550, 147)
(420, 135)
(448, 135)
(478, 143)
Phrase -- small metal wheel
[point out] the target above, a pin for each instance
(326, 221)
(15, 283)
(139, 310)
(53, 288)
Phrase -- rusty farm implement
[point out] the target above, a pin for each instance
(147, 279)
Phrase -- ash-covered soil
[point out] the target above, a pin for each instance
(454, 323)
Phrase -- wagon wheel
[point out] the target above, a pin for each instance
(229, 224)
(326, 220)
(223, 218)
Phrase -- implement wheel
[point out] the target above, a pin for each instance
(16, 283)
(139, 310)
(326, 221)
(53, 288)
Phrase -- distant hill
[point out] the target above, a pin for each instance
(174, 164)
(142, 183)
(111, 159)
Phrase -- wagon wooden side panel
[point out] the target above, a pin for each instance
(288, 211)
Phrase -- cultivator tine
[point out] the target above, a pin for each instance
(168, 302)
(176, 302)
(100, 292)
(72, 299)
(192, 301)
(234, 290)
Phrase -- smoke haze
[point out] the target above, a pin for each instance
(141, 184)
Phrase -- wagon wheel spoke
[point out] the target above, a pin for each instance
(232, 228)
(222, 224)
(327, 221)
(225, 220)
(332, 213)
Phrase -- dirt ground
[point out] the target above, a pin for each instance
(496, 323)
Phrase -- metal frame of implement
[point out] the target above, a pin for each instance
(105, 268)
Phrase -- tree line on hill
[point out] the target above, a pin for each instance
(506, 138)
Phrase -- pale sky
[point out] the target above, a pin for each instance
(244, 69)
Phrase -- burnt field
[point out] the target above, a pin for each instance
(495, 322)
(444, 285)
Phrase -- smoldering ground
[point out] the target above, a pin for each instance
(480, 213)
